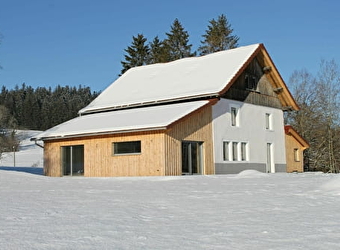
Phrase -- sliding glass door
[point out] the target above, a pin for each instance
(192, 157)
(72, 160)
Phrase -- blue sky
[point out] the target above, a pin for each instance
(73, 42)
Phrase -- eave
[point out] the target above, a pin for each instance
(289, 130)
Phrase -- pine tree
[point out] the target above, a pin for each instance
(178, 42)
(42, 108)
(137, 53)
(218, 36)
(159, 51)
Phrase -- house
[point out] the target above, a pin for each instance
(215, 114)
(295, 145)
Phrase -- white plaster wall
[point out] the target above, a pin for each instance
(251, 129)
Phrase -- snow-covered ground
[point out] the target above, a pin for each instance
(28, 159)
(250, 210)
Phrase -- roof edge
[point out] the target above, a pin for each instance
(210, 103)
(153, 103)
(276, 76)
(97, 134)
(289, 130)
(241, 69)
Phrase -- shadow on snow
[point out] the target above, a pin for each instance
(30, 170)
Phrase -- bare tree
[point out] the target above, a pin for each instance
(8, 138)
(318, 119)
(328, 96)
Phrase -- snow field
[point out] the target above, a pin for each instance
(250, 210)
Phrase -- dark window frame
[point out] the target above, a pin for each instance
(126, 148)
(251, 81)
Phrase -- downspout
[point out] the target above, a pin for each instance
(39, 145)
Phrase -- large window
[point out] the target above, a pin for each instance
(192, 162)
(128, 147)
(235, 151)
(72, 160)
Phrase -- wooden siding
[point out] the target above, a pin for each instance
(292, 164)
(286, 99)
(99, 160)
(52, 160)
(161, 151)
(294, 141)
(263, 94)
(196, 127)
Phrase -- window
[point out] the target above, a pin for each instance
(235, 154)
(234, 116)
(243, 151)
(129, 147)
(72, 160)
(296, 154)
(235, 151)
(250, 81)
(226, 156)
(268, 121)
(192, 159)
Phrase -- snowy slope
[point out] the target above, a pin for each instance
(250, 210)
(30, 156)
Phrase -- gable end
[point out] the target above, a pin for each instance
(258, 82)
(253, 86)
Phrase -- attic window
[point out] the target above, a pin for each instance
(250, 81)
(128, 147)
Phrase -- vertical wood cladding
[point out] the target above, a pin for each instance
(262, 91)
(160, 150)
(292, 164)
(99, 160)
(196, 127)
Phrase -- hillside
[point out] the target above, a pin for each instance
(30, 156)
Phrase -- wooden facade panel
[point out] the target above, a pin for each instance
(262, 92)
(99, 160)
(52, 160)
(196, 127)
(161, 151)
(294, 163)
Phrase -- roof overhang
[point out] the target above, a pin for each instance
(289, 130)
(155, 118)
(283, 93)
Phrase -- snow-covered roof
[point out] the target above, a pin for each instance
(178, 80)
(127, 120)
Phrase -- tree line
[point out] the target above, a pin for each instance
(41, 108)
(218, 36)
